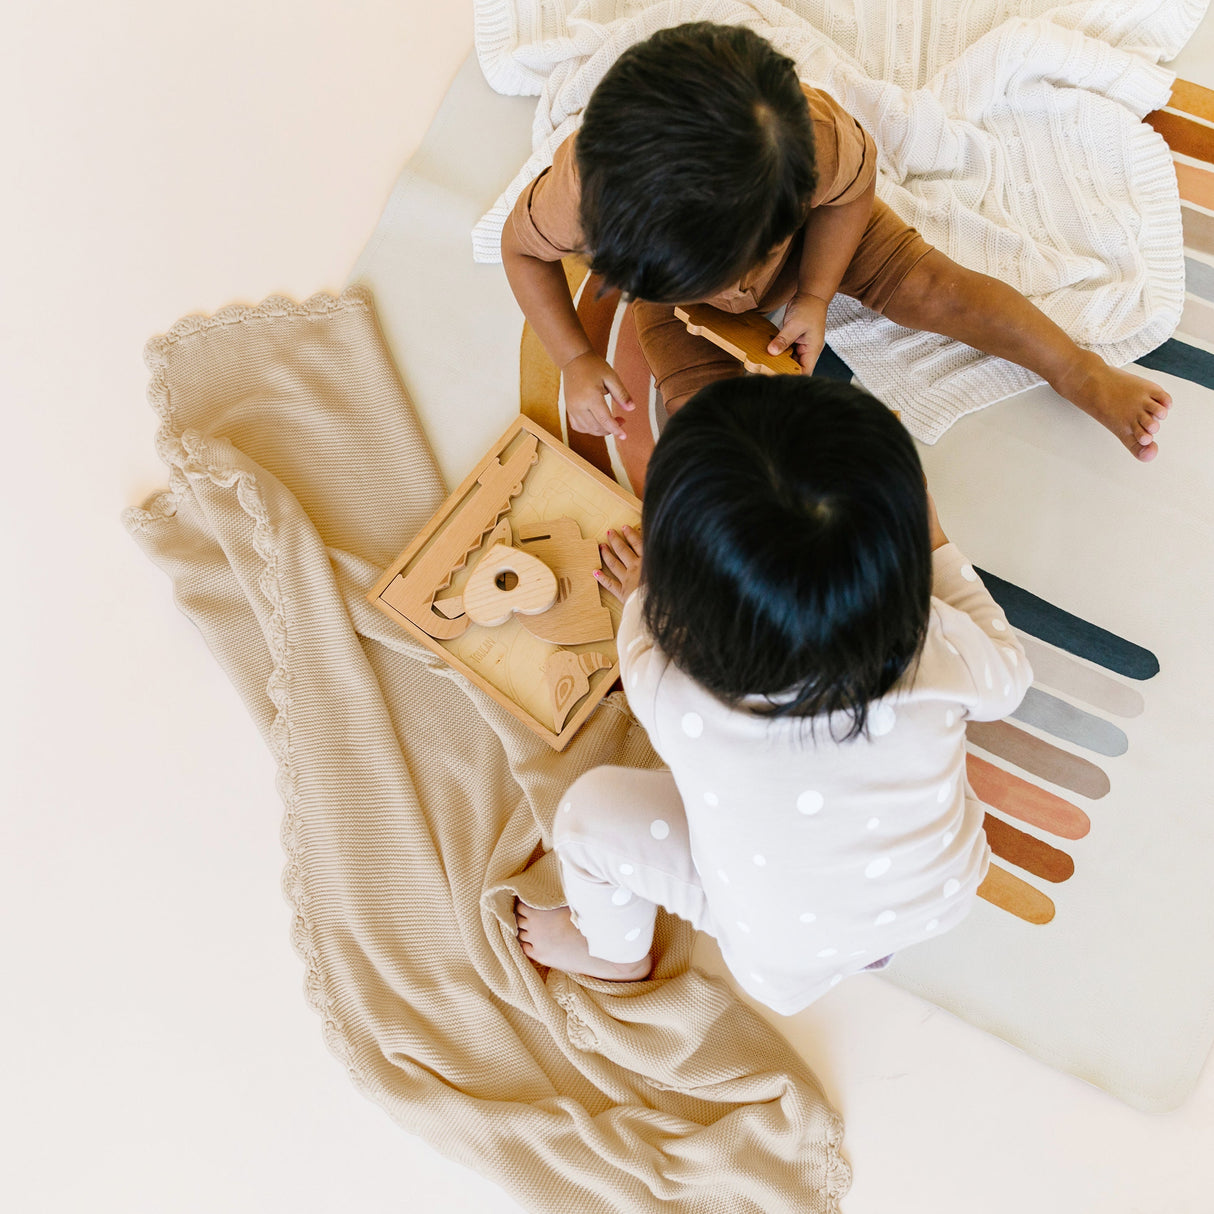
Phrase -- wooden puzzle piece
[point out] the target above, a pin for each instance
(412, 593)
(578, 617)
(745, 335)
(452, 605)
(568, 677)
(507, 580)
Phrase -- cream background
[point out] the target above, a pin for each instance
(159, 1055)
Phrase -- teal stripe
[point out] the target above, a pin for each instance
(1184, 361)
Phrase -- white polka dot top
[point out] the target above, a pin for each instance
(819, 857)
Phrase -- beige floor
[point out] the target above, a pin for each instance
(159, 1054)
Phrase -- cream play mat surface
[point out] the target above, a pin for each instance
(1099, 957)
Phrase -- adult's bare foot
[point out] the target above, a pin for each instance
(1130, 407)
(549, 938)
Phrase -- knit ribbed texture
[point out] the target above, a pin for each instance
(297, 471)
(1009, 135)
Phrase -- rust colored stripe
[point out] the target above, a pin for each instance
(1198, 230)
(1018, 897)
(1040, 757)
(1196, 185)
(632, 368)
(1027, 852)
(1193, 99)
(1019, 799)
(1183, 134)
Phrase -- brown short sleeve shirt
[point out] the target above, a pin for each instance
(546, 224)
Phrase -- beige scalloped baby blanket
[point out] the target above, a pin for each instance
(297, 470)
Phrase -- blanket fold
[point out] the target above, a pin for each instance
(414, 807)
(1009, 134)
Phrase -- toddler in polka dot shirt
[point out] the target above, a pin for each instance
(803, 646)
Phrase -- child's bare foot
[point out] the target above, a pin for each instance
(549, 938)
(1131, 407)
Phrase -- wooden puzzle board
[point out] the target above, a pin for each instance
(506, 660)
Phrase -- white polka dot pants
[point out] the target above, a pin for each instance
(621, 838)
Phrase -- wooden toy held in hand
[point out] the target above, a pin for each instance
(745, 335)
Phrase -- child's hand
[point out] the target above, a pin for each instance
(621, 557)
(589, 382)
(804, 329)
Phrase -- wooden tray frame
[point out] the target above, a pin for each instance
(600, 681)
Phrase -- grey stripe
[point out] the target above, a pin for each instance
(1072, 724)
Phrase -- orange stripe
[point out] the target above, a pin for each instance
(1196, 185)
(1183, 134)
(1019, 799)
(1193, 99)
(1018, 897)
(539, 383)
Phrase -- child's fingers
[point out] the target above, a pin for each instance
(607, 420)
(615, 386)
(595, 418)
(627, 544)
(781, 341)
(612, 562)
(611, 584)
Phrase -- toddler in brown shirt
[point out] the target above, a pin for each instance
(704, 171)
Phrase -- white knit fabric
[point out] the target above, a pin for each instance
(1009, 134)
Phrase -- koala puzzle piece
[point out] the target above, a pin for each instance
(745, 335)
(507, 580)
(578, 617)
(412, 593)
(568, 678)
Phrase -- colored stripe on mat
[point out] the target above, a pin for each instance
(1198, 278)
(1066, 631)
(1052, 715)
(1024, 801)
(1027, 851)
(1193, 99)
(1017, 897)
(1197, 321)
(1063, 673)
(1185, 362)
(1041, 758)
(831, 366)
(1196, 185)
(1198, 229)
(1183, 134)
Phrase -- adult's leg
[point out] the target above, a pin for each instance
(940, 296)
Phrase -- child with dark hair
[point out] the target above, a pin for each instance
(803, 646)
(705, 172)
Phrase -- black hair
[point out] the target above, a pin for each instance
(695, 159)
(786, 546)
